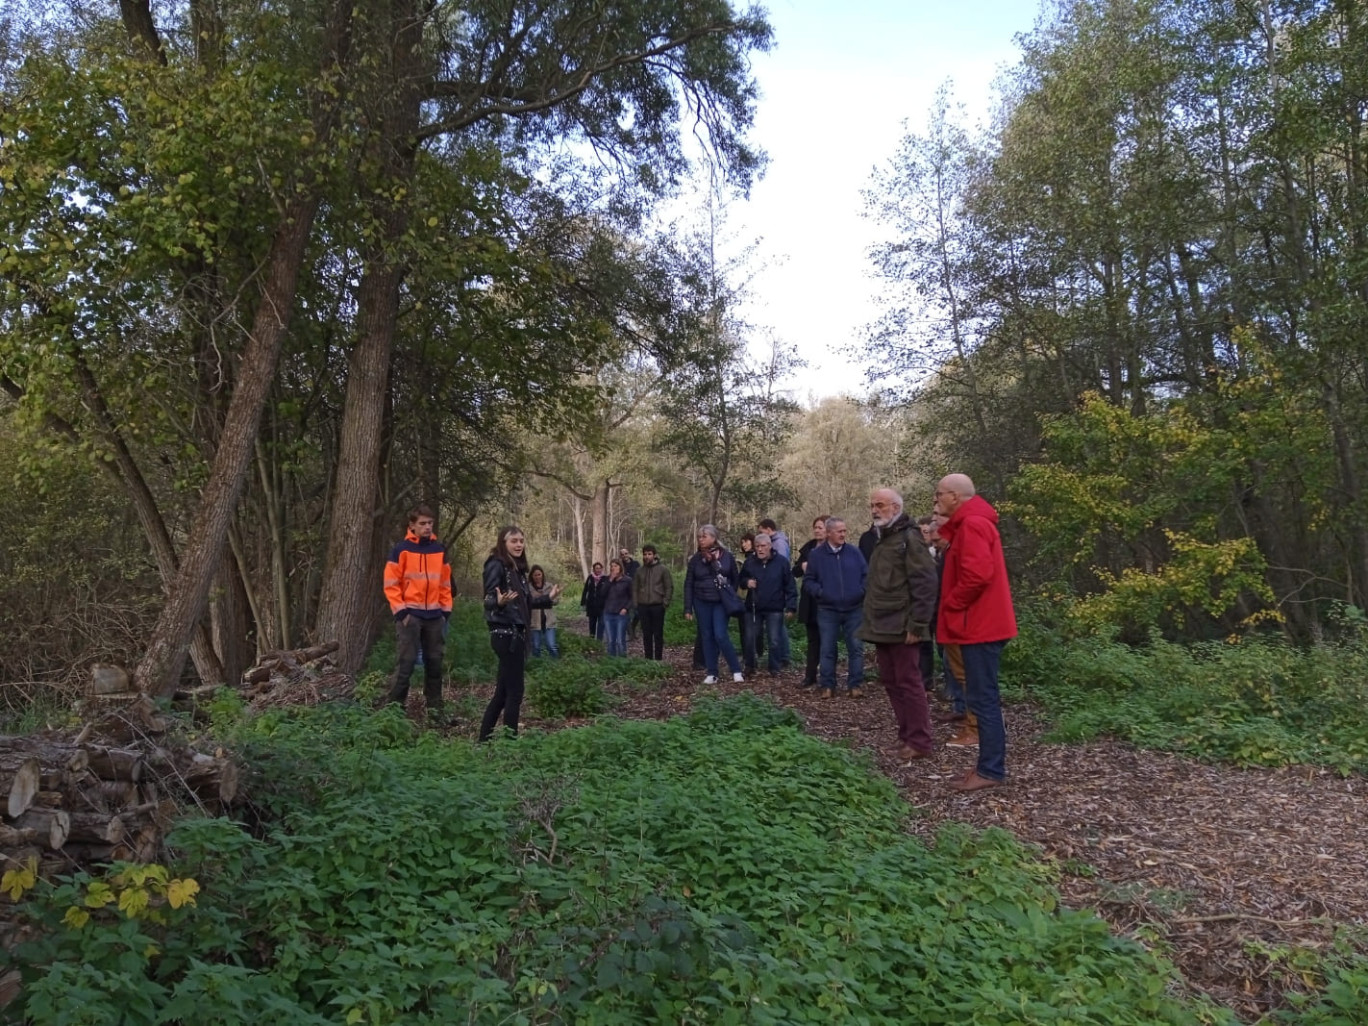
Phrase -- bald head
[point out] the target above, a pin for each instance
(885, 506)
(953, 492)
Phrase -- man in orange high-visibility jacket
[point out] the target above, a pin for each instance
(418, 586)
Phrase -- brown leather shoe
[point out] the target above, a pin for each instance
(950, 717)
(966, 737)
(856, 693)
(973, 782)
(909, 754)
(824, 693)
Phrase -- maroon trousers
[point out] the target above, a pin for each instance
(900, 672)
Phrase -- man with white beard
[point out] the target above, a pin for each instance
(899, 602)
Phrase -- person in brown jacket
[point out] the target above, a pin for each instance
(899, 602)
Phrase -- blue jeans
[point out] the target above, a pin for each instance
(775, 637)
(712, 628)
(615, 628)
(545, 638)
(981, 687)
(834, 624)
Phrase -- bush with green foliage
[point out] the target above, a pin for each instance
(719, 868)
(1252, 701)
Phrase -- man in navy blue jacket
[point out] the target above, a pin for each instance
(835, 578)
(773, 596)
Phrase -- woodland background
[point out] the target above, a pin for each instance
(274, 273)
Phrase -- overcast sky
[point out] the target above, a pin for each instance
(842, 78)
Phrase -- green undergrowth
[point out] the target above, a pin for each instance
(583, 682)
(1256, 701)
(722, 867)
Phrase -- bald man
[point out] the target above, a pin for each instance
(976, 617)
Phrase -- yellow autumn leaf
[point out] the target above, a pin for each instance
(76, 917)
(133, 901)
(182, 892)
(16, 881)
(99, 895)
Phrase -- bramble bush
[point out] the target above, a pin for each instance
(718, 868)
(1252, 701)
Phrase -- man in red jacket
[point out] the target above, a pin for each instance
(976, 615)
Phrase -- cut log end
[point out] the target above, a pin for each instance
(24, 787)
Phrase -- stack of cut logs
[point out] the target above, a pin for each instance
(108, 791)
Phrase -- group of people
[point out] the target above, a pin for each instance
(908, 588)
(631, 595)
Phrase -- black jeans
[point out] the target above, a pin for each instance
(814, 651)
(511, 648)
(745, 638)
(595, 623)
(408, 636)
(652, 617)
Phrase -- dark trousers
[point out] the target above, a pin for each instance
(412, 634)
(508, 688)
(926, 663)
(652, 616)
(814, 651)
(595, 623)
(745, 638)
(902, 680)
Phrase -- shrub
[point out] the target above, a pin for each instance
(570, 687)
(1256, 701)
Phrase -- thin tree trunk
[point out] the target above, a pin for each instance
(599, 512)
(578, 507)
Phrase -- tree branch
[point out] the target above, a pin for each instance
(519, 103)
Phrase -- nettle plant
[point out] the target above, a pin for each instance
(718, 868)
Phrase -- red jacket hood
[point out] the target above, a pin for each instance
(978, 506)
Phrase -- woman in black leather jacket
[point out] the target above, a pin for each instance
(508, 604)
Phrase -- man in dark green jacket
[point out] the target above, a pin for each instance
(652, 590)
(900, 600)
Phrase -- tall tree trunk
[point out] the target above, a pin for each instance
(230, 619)
(578, 506)
(599, 513)
(346, 594)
